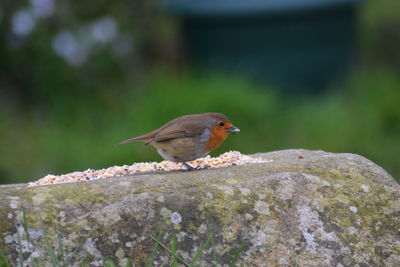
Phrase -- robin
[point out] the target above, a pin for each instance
(188, 137)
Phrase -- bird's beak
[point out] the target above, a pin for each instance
(233, 129)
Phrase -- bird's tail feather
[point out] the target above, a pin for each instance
(146, 138)
(127, 141)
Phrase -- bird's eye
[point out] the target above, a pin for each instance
(221, 123)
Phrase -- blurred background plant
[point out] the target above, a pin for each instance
(76, 78)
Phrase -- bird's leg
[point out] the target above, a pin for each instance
(188, 167)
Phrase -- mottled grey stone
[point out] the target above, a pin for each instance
(317, 209)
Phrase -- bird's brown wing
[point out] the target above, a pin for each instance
(179, 129)
(165, 136)
(185, 126)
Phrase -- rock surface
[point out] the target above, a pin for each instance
(305, 208)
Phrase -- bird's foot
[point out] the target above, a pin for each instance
(188, 167)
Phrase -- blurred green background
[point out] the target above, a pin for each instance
(76, 78)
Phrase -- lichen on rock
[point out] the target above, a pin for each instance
(320, 209)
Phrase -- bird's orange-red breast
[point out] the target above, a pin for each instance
(188, 137)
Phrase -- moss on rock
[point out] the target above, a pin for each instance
(320, 209)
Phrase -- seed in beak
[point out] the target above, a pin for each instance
(233, 129)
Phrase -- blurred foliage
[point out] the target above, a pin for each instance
(379, 23)
(359, 119)
(57, 118)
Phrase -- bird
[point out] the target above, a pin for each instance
(188, 137)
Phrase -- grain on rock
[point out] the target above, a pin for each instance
(227, 159)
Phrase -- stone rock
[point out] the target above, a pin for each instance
(305, 208)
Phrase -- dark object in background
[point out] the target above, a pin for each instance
(295, 45)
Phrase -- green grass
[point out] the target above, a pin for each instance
(171, 250)
(201, 249)
(154, 250)
(56, 253)
(4, 262)
(57, 258)
(236, 256)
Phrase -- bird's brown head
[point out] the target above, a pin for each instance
(220, 128)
